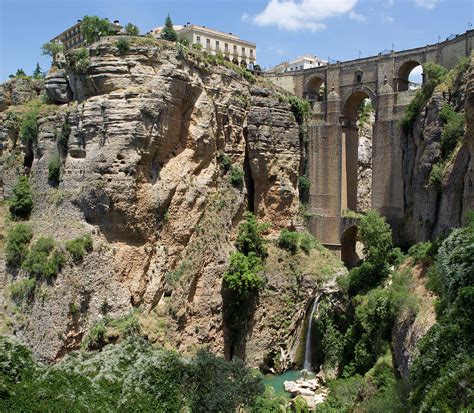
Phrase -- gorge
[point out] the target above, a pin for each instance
(164, 203)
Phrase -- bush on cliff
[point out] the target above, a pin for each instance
(244, 274)
(18, 240)
(123, 45)
(376, 236)
(54, 171)
(168, 32)
(44, 260)
(21, 202)
(29, 127)
(249, 238)
(78, 247)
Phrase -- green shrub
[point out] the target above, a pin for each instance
(18, 240)
(308, 242)
(224, 161)
(29, 127)
(123, 45)
(249, 238)
(436, 175)
(23, 289)
(96, 337)
(78, 247)
(80, 60)
(236, 176)
(289, 240)
(243, 276)
(422, 252)
(44, 260)
(197, 46)
(376, 236)
(21, 202)
(303, 184)
(62, 138)
(452, 133)
(54, 170)
(132, 30)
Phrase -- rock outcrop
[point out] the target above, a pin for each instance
(432, 208)
(143, 171)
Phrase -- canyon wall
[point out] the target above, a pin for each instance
(154, 136)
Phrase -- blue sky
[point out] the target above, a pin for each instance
(282, 29)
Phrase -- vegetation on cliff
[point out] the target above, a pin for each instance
(356, 339)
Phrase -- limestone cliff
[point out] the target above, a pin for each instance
(145, 170)
(432, 208)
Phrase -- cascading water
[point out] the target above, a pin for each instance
(309, 336)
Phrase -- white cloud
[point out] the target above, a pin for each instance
(296, 15)
(357, 17)
(426, 4)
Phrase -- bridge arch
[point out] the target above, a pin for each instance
(315, 89)
(356, 173)
(403, 74)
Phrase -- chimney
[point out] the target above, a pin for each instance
(116, 22)
(79, 20)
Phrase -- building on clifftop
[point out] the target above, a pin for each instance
(213, 41)
(73, 36)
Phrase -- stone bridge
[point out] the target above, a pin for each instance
(335, 92)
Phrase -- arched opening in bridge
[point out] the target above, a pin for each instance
(315, 90)
(359, 118)
(349, 255)
(410, 76)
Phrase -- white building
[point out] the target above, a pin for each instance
(213, 41)
(300, 63)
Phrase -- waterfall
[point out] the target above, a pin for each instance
(309, 335)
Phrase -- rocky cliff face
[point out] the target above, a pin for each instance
(145, 173)
(433, 208)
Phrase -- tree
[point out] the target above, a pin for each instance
(132, 30)
(243, 276)
(93, 28)
(168, 32)
(249, 238)
(38, 73)
(52, 49)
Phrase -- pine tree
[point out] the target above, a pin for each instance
(168, 32)
(38, 73)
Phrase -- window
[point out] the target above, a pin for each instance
(217, 43)
(226, 45)
(301, 67)
(243, 49)
(198, 39)
(208, 41)
(235, 48)
(251, 51)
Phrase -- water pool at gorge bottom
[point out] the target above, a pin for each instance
(276, 381)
